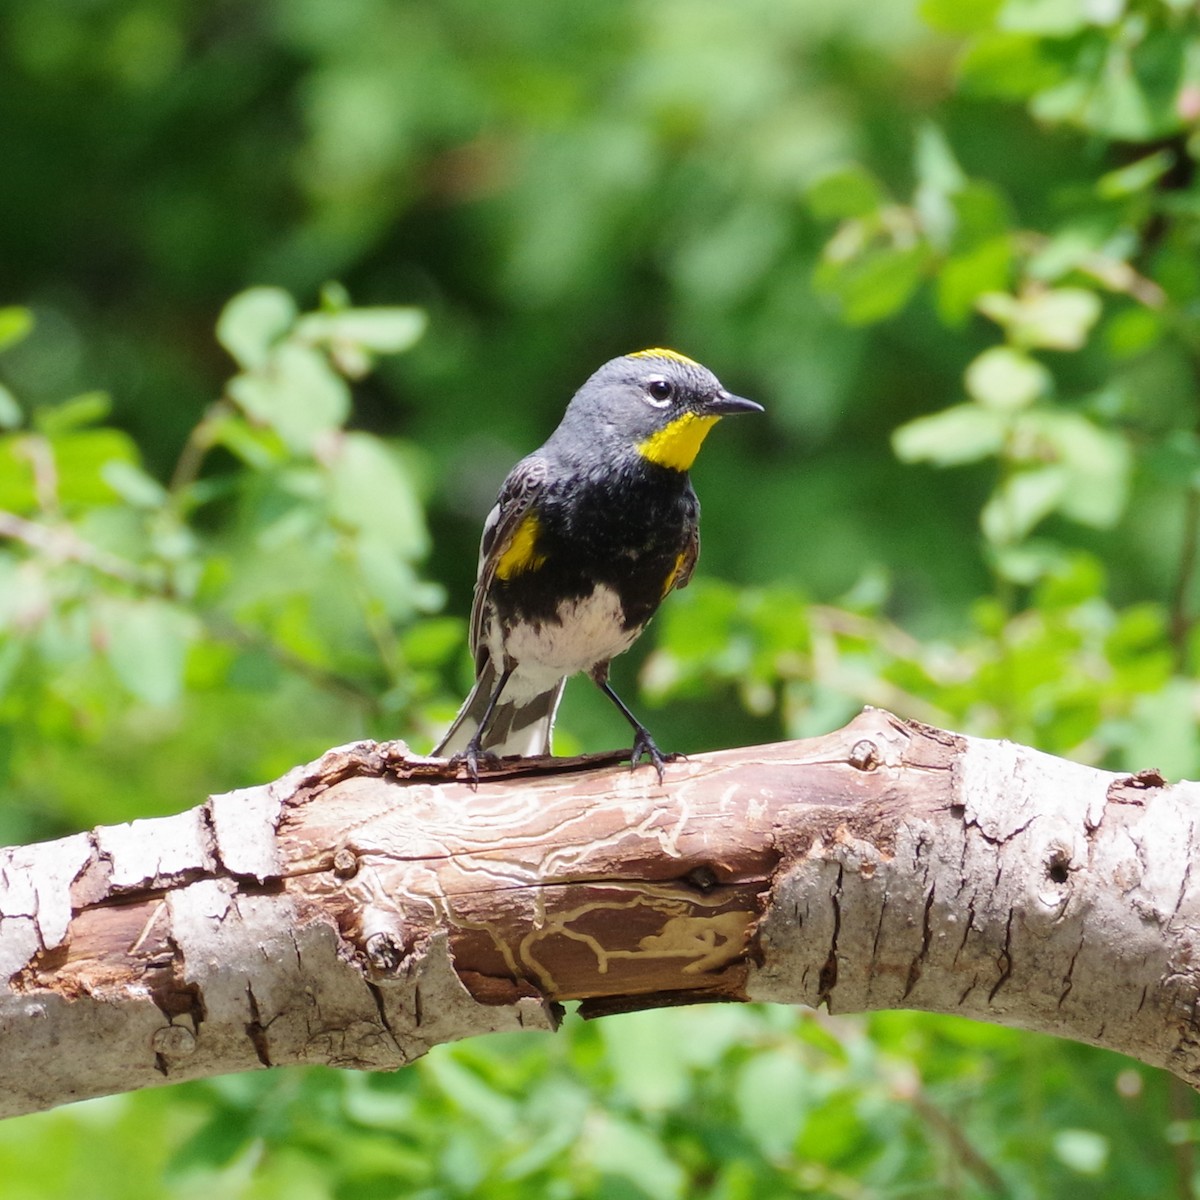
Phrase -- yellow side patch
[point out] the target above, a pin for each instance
(673, 355)
(674, 575)
(677, 445)
(521, 552)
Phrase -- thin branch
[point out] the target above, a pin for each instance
(195, 449)
(1181, 620)
(1182, 1102)
(62, 544)
(960, 1145)
(222, 629)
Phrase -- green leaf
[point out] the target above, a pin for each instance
(1075, 245)
(257, 447)
(981, 213)
(960, 16)
(371, 491)
(433, 642)
(1137, 176)
(1021, 501)
(17, 491)
(81, 460)
(1174, 461)
(1080, 577)
(964, 277)
(471, 1093)
(1123, 88)
(382, 330)
(1008, 66)
(1133, 331)
(875, 283)
(254, 322)
(11, 415)
(146, 642)
(773, 1094)
(846, 191)
(1053, 18)
(296, 393)
(76, 413)
(1053, 318)
(1006, 380)
(621, 1150)
(1025, 564)
(1098, 463)
(219, 1140)
(961, 434)
(653, 1074)
(15, 325)
(939, 177)
(133, 484)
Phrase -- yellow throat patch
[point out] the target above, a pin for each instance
(521, 552)
(673, 355)
(677, 445)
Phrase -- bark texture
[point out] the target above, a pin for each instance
(368, 906)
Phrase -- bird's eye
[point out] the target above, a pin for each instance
(659, 392)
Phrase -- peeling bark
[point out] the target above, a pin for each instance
(368, 906)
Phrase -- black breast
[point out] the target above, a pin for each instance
(622, 527)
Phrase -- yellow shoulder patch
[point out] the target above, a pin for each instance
(677, 445)
(673, 355)
(680, 559)
(521, 552)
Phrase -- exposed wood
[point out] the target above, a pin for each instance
(368, 906)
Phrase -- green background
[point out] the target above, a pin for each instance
(292, 285)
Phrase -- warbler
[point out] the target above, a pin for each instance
(587, 537)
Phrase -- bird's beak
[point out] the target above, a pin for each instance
(725, 404)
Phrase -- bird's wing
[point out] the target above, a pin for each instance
(517, 494)
(686, 563)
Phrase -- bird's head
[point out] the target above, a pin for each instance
(658, 402)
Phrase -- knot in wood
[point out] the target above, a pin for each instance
(1058, 866)
(703, 878)
(173, 1041)
(864, 755)
(345, 863)
(384, 952)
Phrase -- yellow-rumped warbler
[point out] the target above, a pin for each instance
(588, 535)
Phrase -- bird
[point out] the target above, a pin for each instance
(587, 537)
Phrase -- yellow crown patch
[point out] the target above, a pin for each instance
(673, 355)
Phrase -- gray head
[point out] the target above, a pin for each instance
(655, 402)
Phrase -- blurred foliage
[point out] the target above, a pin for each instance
(952, 249)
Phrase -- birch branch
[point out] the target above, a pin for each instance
(368, 906)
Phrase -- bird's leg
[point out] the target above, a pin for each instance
(473, 751)
(643, 743)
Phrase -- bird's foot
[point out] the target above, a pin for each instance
(644, 745)
(472, 756)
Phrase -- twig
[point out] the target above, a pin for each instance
(974, 1162)
(199, 443)
(1181, 622)
(1181, 1101)
(63, 544)
(224, 630)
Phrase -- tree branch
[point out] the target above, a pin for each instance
(368, 906)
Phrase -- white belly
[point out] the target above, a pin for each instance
(588, 631)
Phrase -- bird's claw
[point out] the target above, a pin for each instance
(644, 744)
(471, 757)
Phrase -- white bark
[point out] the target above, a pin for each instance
(364, 908)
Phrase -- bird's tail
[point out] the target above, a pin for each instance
(522, 726)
